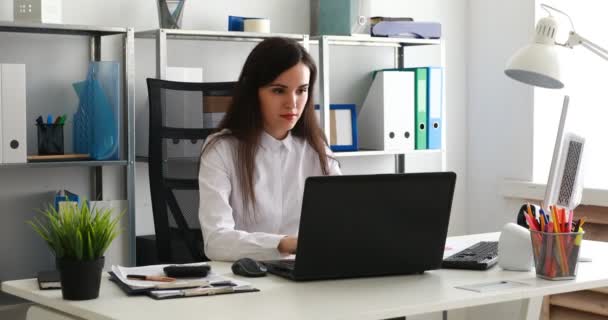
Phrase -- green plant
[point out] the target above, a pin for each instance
(77, 232)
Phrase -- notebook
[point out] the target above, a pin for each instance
(49, 279)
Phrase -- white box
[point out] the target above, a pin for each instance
(12, 113)
(37, 11)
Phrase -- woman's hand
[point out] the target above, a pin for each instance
(288, 245)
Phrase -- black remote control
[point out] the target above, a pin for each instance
(180, 271)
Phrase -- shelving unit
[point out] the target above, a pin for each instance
(362, 153)
(162, 35)
(324, 42)
(128, 134)
(57, 164)
(399, 44)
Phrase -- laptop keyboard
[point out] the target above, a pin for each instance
(287, 264)
(480, 256)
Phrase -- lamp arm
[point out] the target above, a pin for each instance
(576, 39)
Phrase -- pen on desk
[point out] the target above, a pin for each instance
(49, 119)
(150, 278)
(39, 121)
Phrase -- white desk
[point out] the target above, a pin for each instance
(369, 298)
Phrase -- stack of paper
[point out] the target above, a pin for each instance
(157, 270)
(183, 287)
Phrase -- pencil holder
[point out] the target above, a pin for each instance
(556, 254)
(50, 139)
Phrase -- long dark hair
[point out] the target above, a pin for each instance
(265, 63)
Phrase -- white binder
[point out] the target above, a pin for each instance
(386, 120)
(12, 92)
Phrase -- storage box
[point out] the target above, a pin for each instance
(339, 17)
(37, 11)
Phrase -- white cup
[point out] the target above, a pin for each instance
(515, 248)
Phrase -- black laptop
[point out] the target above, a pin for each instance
(370, 225)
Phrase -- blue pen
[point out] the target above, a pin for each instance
(49, 119)
(543, 213)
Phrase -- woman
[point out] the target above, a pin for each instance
(253, 171)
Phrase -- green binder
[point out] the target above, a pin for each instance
(421, 107)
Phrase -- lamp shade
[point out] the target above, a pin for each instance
(538, 63)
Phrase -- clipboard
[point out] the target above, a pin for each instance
(179, 292)
(196, 292)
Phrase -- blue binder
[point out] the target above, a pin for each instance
(435, 102)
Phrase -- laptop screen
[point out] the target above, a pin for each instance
(369, 225)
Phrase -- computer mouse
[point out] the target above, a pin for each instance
(248, 267)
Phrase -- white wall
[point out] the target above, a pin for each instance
(499, 114)
(499, 118)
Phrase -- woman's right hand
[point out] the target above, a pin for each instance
(288, 245)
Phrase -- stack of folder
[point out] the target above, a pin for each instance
(212, 284)
(406, 104)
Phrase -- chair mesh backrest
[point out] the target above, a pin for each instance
(182, 115)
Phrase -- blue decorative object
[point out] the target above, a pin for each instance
(97, 119)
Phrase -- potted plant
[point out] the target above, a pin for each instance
(78, 236)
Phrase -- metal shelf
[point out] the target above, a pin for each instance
(361, 153)
(374, 41)
(95, 35)
(51, 28)
(214, 35)
(182, 160)
(55, 164)
(399, 45)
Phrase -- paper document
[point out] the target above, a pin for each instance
(493, 286)
(157, 270)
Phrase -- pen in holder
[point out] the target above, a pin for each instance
(50, 139)
(556, 254)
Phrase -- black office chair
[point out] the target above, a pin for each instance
(178, 126)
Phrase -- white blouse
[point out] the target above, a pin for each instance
(280, 169)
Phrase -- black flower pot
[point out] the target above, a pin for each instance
(80, 280)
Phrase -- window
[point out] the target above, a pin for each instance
(586, 80)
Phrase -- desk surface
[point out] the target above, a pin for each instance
(368, 298)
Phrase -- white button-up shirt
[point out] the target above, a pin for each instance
(281, 167)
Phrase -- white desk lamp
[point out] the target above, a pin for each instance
(538, 63)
